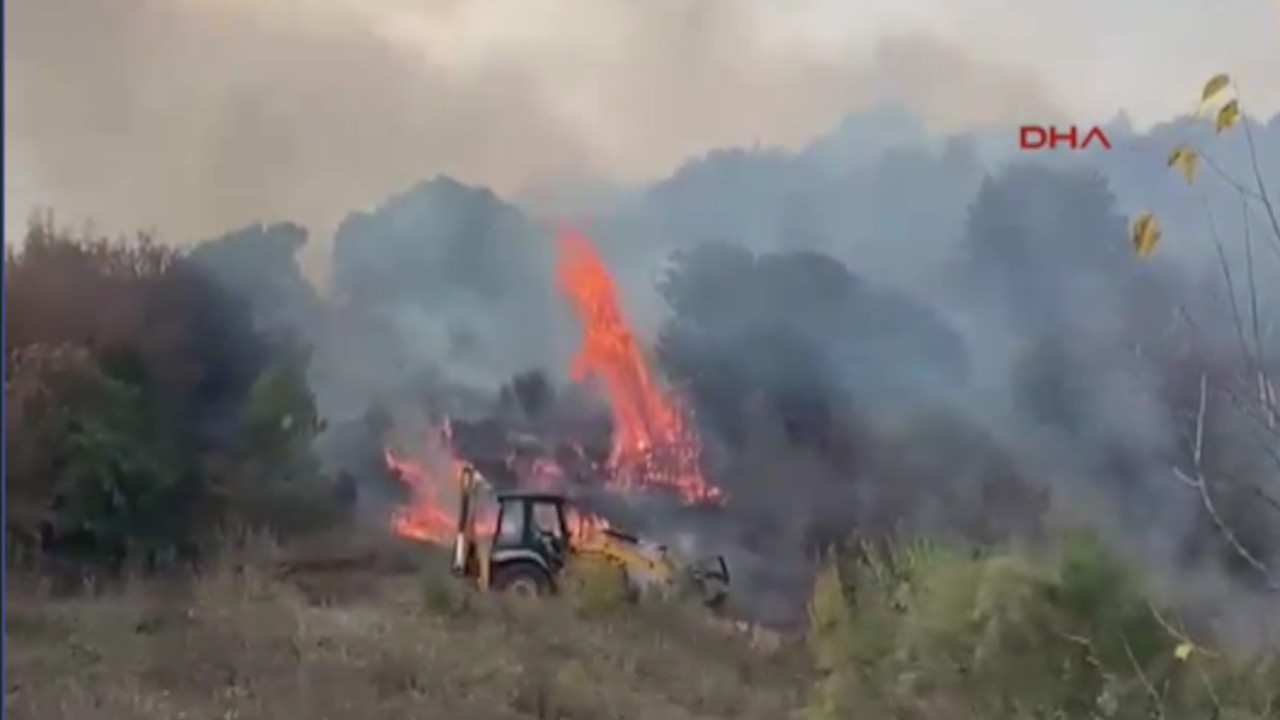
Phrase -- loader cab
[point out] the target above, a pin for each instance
(531, 521)
(530, 543)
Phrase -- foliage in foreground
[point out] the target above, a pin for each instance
(925, 631)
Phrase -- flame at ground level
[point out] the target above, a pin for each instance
(426, 516)
(653, 446)
(431, 515)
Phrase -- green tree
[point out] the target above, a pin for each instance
(145, 413)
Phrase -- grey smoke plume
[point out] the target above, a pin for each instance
(194, 116)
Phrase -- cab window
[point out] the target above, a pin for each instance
(510, 524)
(546, 518)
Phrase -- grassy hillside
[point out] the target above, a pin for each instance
(918, 633)
(242, 645)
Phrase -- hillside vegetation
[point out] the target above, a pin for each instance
(1093, 537)
(244, 645)
(922, 631)
(917, 633)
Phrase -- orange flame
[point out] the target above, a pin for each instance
(584, 525)
(431, 513)
(425, 517)
(652, 445)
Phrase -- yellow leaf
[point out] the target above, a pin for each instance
(1186, 160)
(1183, 651)
(1228, 115)
(1144, 234)
(1214, 86)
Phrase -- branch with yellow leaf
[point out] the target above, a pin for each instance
(1145, 231)
(1254, 394)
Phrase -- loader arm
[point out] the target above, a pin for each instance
(467, 560)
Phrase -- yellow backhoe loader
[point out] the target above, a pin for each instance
(531, 548)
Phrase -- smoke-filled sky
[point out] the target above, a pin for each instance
(193, 116)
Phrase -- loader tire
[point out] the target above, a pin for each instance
(523, 580)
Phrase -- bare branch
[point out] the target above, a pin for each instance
(1197, 456)
(1196, 479)
(1157, 701)
(1261, 185)
(1237, 397)
(1266, 389)
(1255, 324)
(1267, 396)
(1237, 317)
(1226, 177)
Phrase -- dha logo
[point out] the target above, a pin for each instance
(1052, 137)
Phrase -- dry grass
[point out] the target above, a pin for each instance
(240, 645)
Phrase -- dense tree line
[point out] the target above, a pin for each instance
(146, 416)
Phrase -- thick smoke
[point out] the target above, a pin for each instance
(1041, 372)
(194, 116)
(881, 330)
